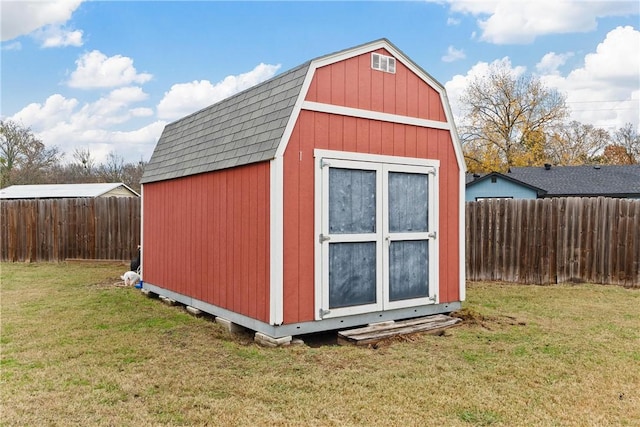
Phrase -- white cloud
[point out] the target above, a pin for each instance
(66, 123)
(520, 22)
(603, 91)
(56, 36)
(127, 95)
(141, 112)
(186, 98)
(40, 116)
(117, 122)
(12, 46)
(453, 54)
(550, 62)
(453, 21)
(617, 58)
(20, 18)
(96, 70)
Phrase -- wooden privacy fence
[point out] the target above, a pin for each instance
(541, 241)
(557, 240)
(58, 229)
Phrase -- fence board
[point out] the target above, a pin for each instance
(58, 229)
(556, 240)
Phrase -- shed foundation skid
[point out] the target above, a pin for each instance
(272, 333)
(372, 334)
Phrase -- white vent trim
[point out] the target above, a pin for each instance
(383, 63)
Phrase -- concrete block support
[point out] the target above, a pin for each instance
(229, 325)
(193, 311)
(167, 301)
(268, 341)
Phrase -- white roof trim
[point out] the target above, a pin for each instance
(373, 115)
(293, 117)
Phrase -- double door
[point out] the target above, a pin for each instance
(377, 236)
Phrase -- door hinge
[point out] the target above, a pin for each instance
(324, 163)
(322, 312)
(323, 238)
(434, 298)
(432, 235)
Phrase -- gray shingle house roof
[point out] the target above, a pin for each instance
(242, 129)
(601, 180)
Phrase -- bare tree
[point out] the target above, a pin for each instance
(24, 159)
(12, 138)
(113, 169)
(132, 174)
(576, 143)
(508, 119)
(83, 158)
(628, 139)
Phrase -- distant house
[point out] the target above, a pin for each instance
(64, 191)
(496, 185)
(620, 181)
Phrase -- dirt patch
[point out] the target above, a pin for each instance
(387, 342)
(472, 317)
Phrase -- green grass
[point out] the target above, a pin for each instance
(76, 350)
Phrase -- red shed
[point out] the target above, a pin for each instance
(327, 197)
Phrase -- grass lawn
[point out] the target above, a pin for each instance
(76, 350)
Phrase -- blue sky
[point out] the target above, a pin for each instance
(108, 75)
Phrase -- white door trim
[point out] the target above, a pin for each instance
(382, 164)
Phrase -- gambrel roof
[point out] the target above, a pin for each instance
(248, 127)
(242, 129)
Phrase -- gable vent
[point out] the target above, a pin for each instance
(383, 63)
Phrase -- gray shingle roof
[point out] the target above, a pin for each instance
(242, 129)
(604, 180)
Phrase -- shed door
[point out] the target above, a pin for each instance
(377, 237)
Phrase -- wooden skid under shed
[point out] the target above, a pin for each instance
(374, 333)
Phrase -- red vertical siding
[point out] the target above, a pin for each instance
(291, 232)
(352, 83)
(206, 236)
(364, 82)
(366, 136)
(450, 286)
(351, 90)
